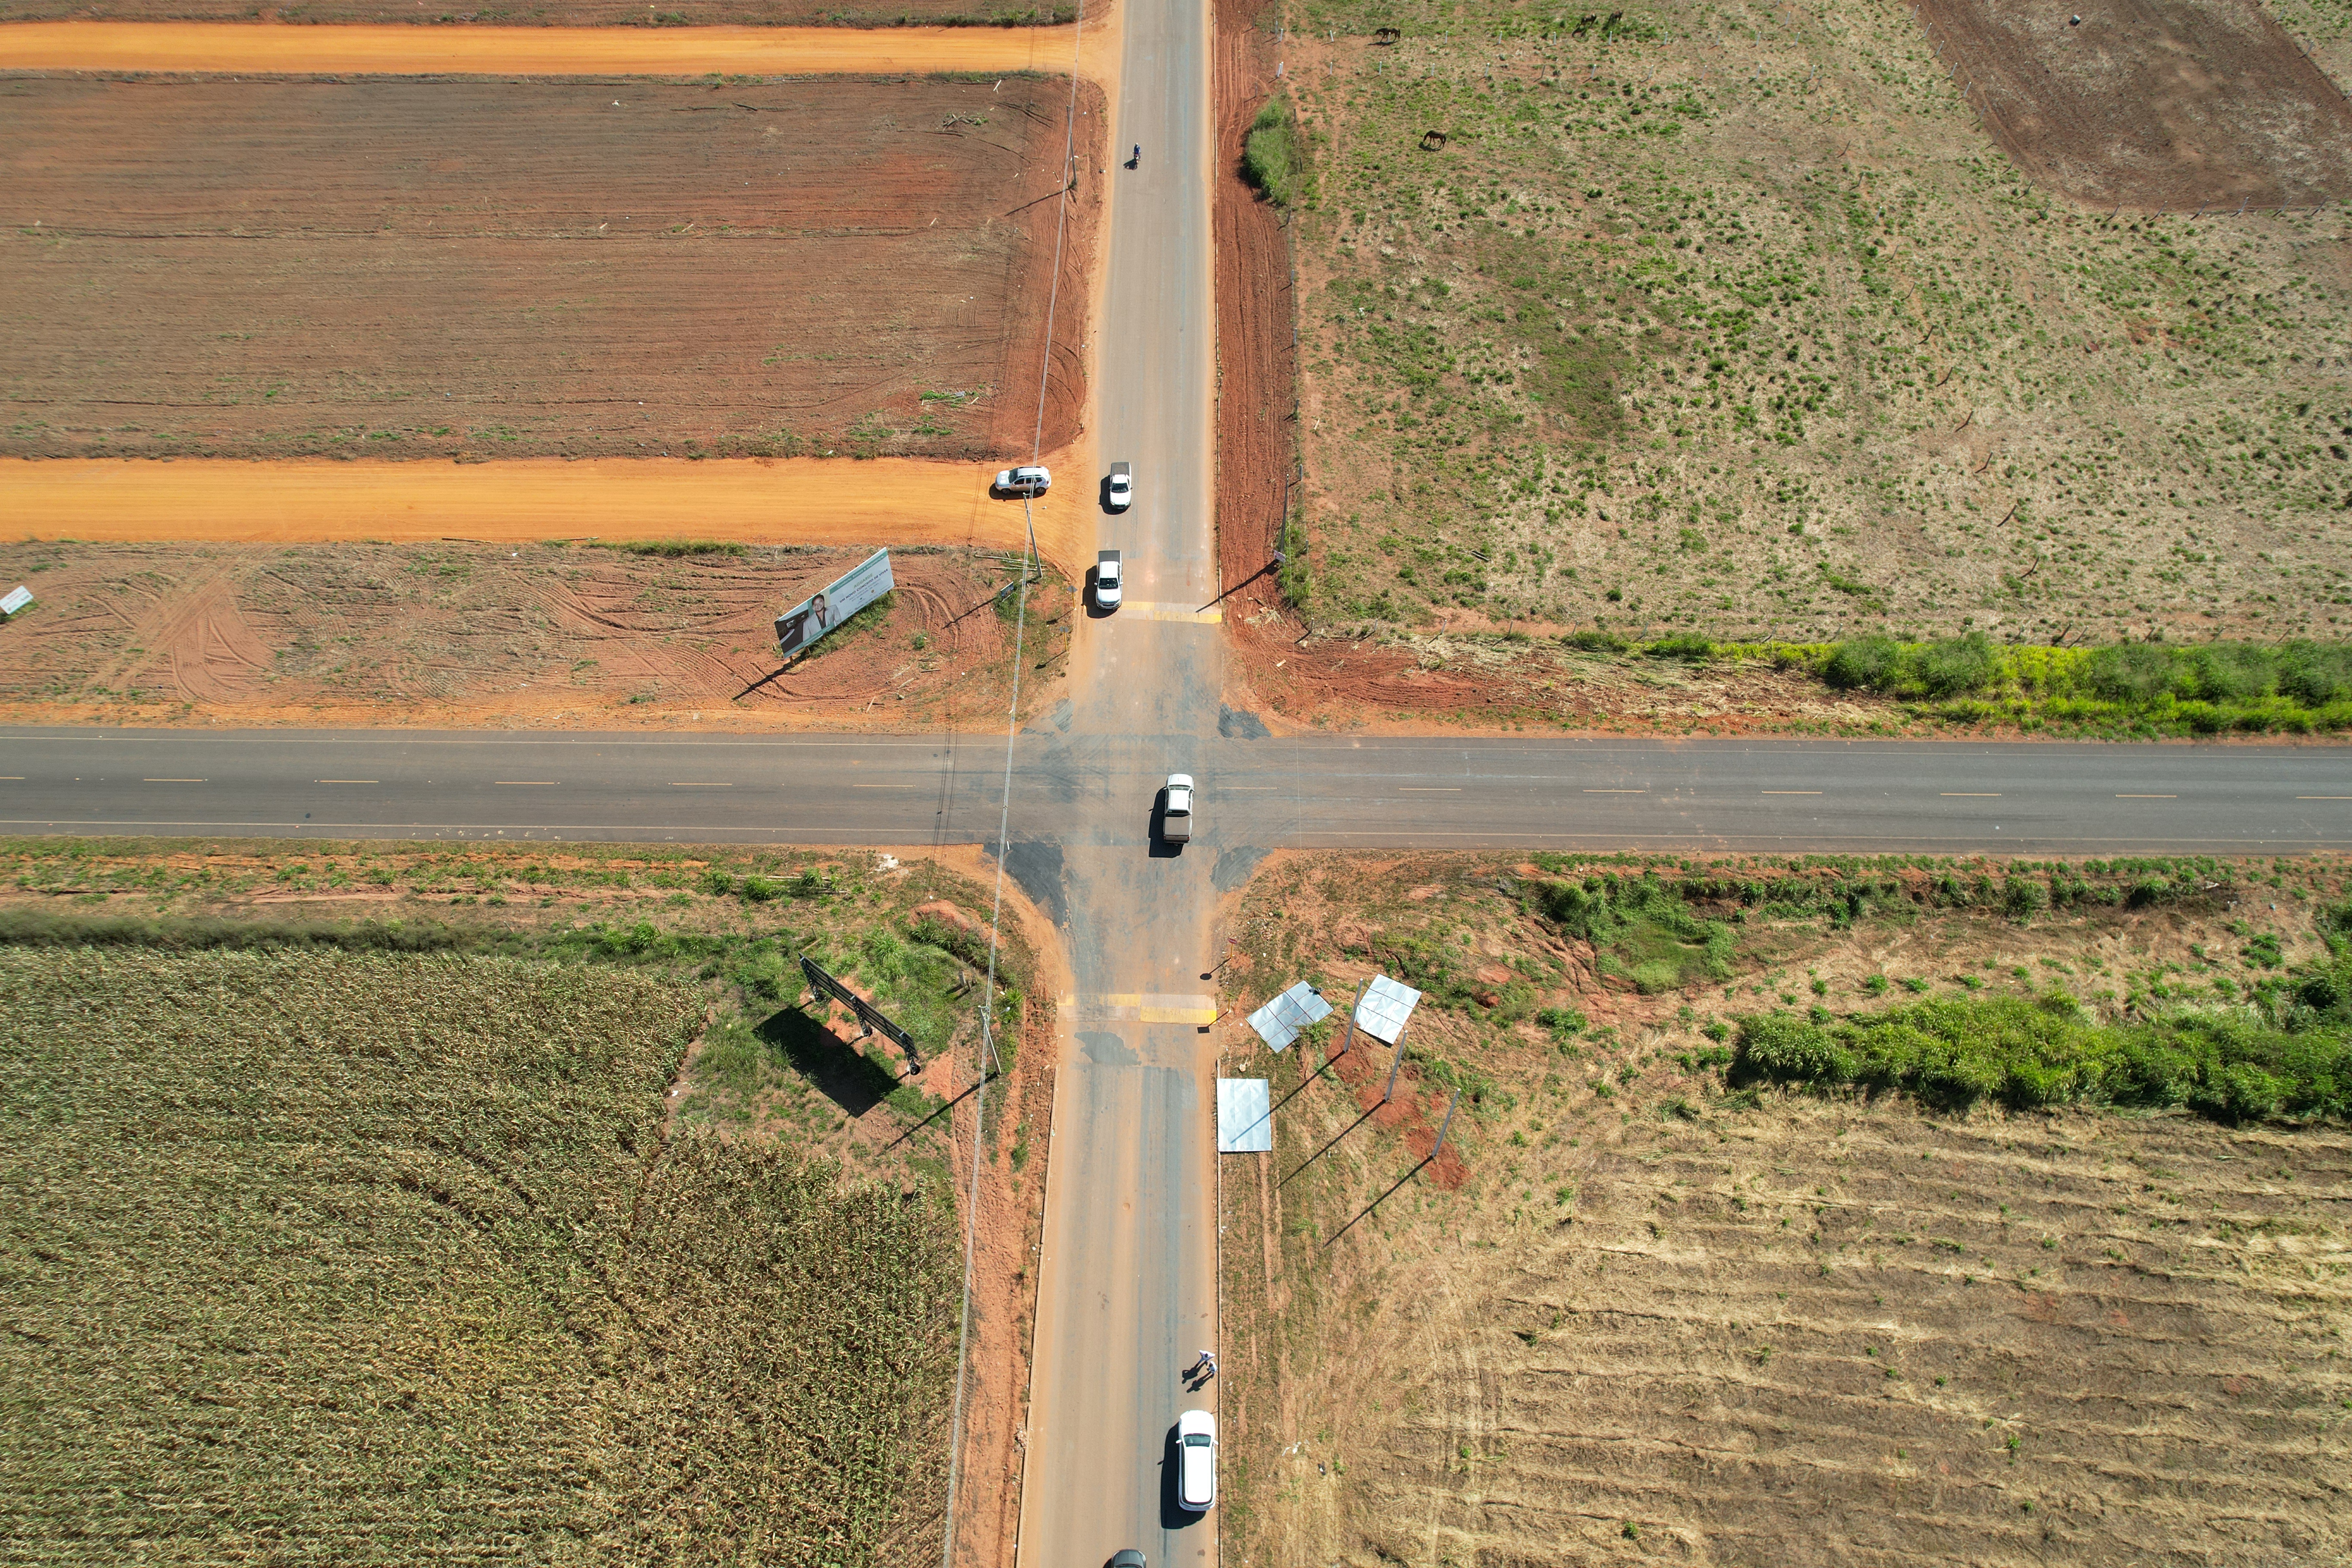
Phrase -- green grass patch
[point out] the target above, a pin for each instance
(673, 547)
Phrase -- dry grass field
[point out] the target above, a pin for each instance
(470, 270)
(333, 1257)
(464, 634)
(1635, 1315)
(1734, 319)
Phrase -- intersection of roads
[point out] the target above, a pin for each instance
(1128, 1293)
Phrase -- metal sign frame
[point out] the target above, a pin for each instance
(1290, 1014)
(824, 984)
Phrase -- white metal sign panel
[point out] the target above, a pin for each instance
(15, 599)
(1384, 1007)
(1245, 1116)
(1282, 1020)
(841, 598)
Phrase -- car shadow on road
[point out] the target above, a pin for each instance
(1154, 835)
(834, 1068)
(1173, 1515)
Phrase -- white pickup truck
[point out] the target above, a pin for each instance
(1108, 572)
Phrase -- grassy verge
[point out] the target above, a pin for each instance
(389, 1254)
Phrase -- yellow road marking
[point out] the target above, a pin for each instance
(1173, 613)
(1145, 1007)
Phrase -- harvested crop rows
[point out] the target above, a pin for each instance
(463, 634)
(335, 1258)
(1632, 1313)
(2155, 105)
(417, 268)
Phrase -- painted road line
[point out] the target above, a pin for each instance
(12, 778)
(346, 781)
(1792, 791)
(1173, 613)
(1430, 789)
(2323, 797)
(1970, 795)
(175, 781)
(1144, 1007)
(2148, 797)
(675, 784)
(1616, 792)
(533, 783)
(882, 786)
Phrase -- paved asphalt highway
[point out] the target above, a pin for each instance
(1084, 789)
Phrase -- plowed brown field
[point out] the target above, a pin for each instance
(467, 635)
(519, 269)
(2162, 105)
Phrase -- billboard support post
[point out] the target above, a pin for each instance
(866, 1014)
(1389, 1089)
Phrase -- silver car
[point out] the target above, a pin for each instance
(1196, 1460)
(1176, 810)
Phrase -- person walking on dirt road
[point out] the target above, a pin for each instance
(1204, 1369)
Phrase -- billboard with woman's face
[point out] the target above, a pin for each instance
(846, 594)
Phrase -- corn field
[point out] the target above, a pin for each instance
(324, 1257)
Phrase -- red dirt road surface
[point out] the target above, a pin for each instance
(2164, 105)
(564, 14)
(517, 268)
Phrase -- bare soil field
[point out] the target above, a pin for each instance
(563, 14)
(2155, 105)
(464, 635)
(770, 1069)
(1735, 320)
(439, 270)
(1643, 1319)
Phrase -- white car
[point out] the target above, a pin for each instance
(1196, 1460)
(1110, 574)
(1025, 481)
(1176, 819)
(1121, 492)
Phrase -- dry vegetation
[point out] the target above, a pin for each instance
(1734, 320)
(464, 634)
(349, 1258)
(494, 1155)
(1649, 1305)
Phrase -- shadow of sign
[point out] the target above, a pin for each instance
(835, 1067)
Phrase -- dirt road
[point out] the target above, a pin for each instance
(554, 51)
(783, 500)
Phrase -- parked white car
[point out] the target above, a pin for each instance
(1196, 1460)
(1025, 481)
(1176, 810)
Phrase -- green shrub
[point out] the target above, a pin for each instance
(1597, 642)
(1865, 664)
(1273, 158)
(1959, 665)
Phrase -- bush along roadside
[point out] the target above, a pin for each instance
(2147, 688)
(2283, 1054)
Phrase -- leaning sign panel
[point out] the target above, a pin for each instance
(820, 611)
(1384, 1007)
(1282, 1020)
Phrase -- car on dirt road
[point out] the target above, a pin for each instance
(1111, 571)
(1120, 494)
(1023, 481)
(1130, 1558)
(1196, 1460)
(1176, 810)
